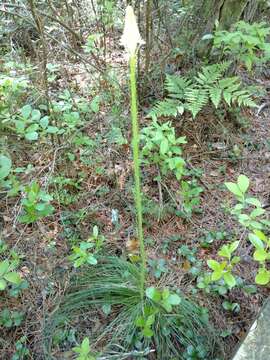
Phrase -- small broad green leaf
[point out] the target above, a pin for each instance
(216, 275)
(36, 115)
(165, 294)
(256, 225)
(3, 284)
(44, 122)
(26, 111)
(257, 212)
(5, 166)
(235, 260)
(85, 346)
(229, 279)
(52, 129)
(214, 265)
(254, 201)
(167, 306)
(33, 127)
(80, 261)
(91, 260)
(153, 294)
(260, 255)
(174, 299)
(13, 277)
(256, 241)
(260, 235)
(147, 332)
(243, 183)
(262, 277)
(31, 136)
(95, 231)
(225, 251)
(140, 321)
(233, 188)
(94, 104)
(164, 146)
(106, 308)
(4, 266)
(150, 320)
(234, 246)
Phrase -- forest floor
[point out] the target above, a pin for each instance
(221, 149)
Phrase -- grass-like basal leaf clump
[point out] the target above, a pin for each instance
(116, 282)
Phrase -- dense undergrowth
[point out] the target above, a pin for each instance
(95, 265)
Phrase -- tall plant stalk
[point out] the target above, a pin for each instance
(131, 39)
(136, 165)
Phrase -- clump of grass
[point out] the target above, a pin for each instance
(122, 284)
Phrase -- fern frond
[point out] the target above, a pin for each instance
(176, 86)
(243, 98)
(196, 99)
(212, 73)
(167, 107)
(215, 94)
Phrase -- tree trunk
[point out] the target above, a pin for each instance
(207, 12)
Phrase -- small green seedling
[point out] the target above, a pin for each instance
(30, 124)
(233, 307)
(146, 321)
(22, 352)
(246, 43)
(158, 267)
(8, 275)
(162, 148)
(164, 298)
(86, 252)
(5, 167)
(10, 319)
(84, 351)
(252, 219)
(223, 270)
(261, 254)
(36, 204)
(190, 196)
(195, 353)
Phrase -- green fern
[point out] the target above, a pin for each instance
(215, 94)
(172, 106)
(209, 85)
(212, 73)
(196, 99)
(176, 86)
(167, 107)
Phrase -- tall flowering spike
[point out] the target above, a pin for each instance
(131, 38)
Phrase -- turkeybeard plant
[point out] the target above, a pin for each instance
(132, 40)
(141, 320)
